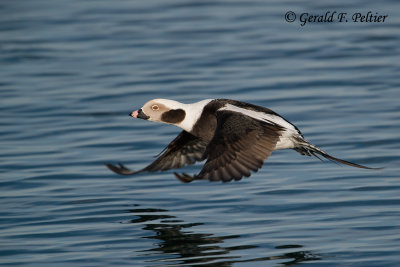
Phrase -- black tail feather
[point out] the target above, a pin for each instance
(308, 149)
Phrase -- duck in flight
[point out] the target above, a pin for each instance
(233, 137)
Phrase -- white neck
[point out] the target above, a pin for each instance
(193, 113)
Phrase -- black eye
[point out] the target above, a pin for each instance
(155, 107)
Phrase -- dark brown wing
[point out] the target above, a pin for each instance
(240, 145)
(185, 149)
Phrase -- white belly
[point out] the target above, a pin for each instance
(284, 143)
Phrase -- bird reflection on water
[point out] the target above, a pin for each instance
(179, 246)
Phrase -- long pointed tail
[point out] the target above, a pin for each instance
(308, 149)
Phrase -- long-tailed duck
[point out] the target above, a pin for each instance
(235, 138)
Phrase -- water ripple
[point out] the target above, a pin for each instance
(72, 71)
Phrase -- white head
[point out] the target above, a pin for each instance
(171, 112)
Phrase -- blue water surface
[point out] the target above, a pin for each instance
(71, 71)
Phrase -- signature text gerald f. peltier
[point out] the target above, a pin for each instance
(339, 17)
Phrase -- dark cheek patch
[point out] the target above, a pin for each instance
(173, 116)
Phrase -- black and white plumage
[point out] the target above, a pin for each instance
(234, 137)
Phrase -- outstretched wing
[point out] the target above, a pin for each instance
(185, 149)
(240, 145)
